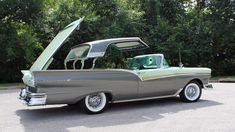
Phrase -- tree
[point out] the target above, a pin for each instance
(203, 30)
(18, 43)
(222, 35)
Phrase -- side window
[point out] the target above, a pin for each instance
(159, 61)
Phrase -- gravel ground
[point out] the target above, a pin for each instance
(214, 112)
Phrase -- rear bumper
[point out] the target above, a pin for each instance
(208, 86)
(32, 99)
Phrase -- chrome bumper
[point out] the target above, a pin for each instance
(208, 86)
(32, 99)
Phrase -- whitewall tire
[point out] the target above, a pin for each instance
(94, 103)
(191, 92)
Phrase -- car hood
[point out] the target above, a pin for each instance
(44, 60)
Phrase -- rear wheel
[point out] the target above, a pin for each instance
(191, 92)
(94, 103)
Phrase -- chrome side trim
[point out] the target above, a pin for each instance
(149, 98)
(178, 92)
(177, 75)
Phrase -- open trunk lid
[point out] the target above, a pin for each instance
(44, 60)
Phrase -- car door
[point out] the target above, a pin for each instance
(157, 82)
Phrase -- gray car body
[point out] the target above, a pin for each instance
(70, 86)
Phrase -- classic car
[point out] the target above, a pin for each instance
(146, 77)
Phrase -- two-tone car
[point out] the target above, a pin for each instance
(145, 77)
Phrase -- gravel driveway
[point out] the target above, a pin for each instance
(214, 112)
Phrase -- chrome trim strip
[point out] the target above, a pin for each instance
(178, 92)
(149, 98)
(177, 75)
(37, 94)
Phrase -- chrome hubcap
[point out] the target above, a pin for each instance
(94, 100)
(191, 91)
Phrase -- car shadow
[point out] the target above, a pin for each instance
(60, 118)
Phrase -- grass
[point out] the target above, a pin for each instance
(10, 85)
(223, 78)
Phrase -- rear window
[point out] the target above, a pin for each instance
(133, 45)
(78, 52)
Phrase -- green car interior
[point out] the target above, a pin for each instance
(144, 62)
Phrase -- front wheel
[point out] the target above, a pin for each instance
(94, 103)
(191, 92)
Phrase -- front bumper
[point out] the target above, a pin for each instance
(32, 99)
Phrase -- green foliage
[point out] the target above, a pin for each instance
(19, 46)
(204, 31)
(24, 11)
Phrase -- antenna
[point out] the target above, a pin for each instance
(180, 61)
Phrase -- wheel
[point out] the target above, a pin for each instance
(191, 92)
(94, 103)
